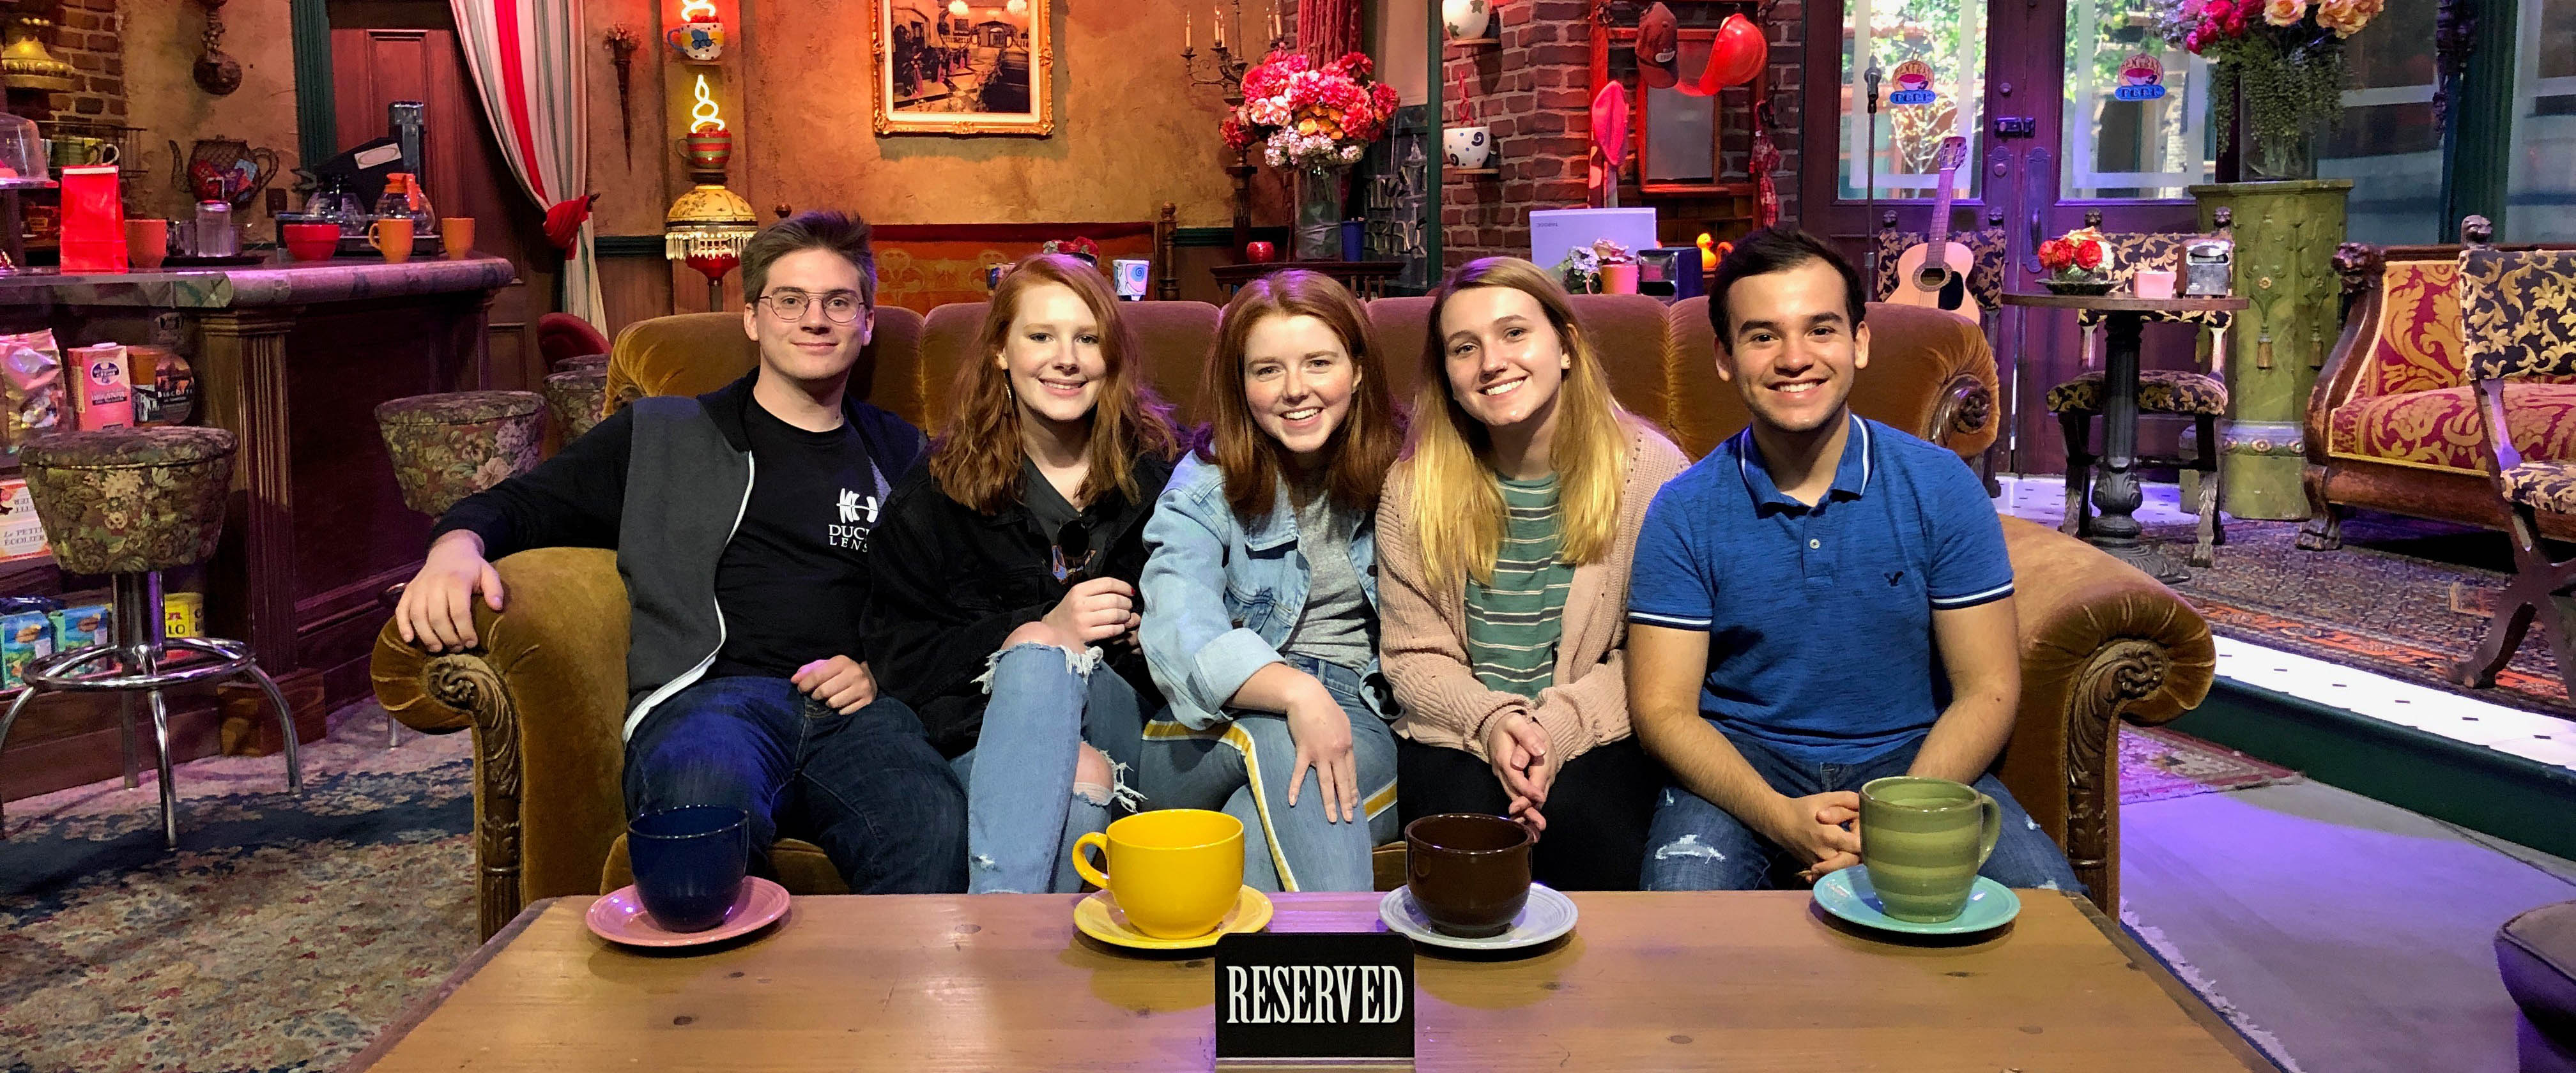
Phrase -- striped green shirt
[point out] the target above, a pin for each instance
(1514, 624)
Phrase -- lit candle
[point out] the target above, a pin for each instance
(1185, 29)
(1216, 18)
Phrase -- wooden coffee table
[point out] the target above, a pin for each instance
(1738, 981)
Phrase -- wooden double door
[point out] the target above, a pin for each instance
(2035, 88)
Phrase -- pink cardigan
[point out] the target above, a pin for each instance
(1423, 633)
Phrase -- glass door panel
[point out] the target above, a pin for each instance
(2388, 144)
(2137, 110)
(2540, 183)
(1932, 60)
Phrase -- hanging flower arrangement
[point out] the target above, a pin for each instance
(1309, 118)
(2280, 61)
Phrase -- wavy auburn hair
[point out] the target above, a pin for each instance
(1362, 448)
(1457, 501)
(977, 457)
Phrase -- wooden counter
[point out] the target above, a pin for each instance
(293, 359)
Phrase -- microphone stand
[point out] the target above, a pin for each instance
(1869, 167)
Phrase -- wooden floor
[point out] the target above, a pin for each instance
(2357, 935)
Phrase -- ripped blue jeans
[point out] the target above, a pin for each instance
(1695, 845)
(1023, 808)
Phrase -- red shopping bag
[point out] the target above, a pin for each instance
(93, 220)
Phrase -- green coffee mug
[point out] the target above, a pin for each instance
(1923, 840)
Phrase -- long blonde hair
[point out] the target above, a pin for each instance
(1457, 499)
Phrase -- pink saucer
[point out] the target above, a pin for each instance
(619, 917)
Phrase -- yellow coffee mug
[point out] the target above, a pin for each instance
(1174, 871)
(393, 237)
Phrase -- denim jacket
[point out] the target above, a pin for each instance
(1221, 598)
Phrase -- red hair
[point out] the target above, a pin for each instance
(977, 460)
(1362, 449)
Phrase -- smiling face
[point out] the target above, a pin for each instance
(1298, 378)
(1795, 350)
(1504, 360)
(813, 347)
(1052, 355)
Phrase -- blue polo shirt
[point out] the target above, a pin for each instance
(1820, 618)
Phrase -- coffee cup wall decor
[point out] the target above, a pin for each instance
(1467, 147)
(702, 42)
(1466, 20)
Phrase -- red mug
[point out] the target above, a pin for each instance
(1260, 253)
(312, 242)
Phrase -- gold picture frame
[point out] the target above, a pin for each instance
(942, 72)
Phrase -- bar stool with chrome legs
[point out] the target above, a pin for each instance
(132, 503)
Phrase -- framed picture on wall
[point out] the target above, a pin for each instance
(964, 67)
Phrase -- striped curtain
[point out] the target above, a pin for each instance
(525, 56)
(1328, 28)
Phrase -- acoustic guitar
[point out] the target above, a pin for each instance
(1934, 273)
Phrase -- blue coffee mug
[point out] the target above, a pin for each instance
(689, 863)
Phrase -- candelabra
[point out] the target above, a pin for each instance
(1225, 71)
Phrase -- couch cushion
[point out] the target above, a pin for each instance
(2441, 429)
(1626, 330)
(2549, 486)
(695, 353)
(2536, 953)
(1175, 337)
(2160, 391)
(1913, 352)
(2419, 330)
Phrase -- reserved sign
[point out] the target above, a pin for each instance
(1339, 997)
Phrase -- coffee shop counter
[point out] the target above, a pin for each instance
(292, 358)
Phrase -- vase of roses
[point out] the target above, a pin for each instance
(1316, 120)
(2278, 64)
(2078, 262)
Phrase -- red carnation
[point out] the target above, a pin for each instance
(2089, 256)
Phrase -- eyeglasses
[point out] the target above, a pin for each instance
(839, 307)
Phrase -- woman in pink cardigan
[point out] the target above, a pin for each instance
(1504, 538)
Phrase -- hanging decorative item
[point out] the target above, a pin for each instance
(1738, 53)
(1466, 20)
(217, 72)
(622, 44)
(1610, 133)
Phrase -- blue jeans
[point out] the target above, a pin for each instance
(866, 787)
(1695, 845)
(1023, 810)
(1242, 767)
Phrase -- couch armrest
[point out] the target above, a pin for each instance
(2100, 642)
(545, 695)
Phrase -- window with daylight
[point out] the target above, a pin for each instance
(2137, 108)
(1931, 58)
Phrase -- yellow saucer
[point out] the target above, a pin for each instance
(1098, 916)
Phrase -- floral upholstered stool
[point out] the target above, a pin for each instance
(449, 446)
(132, 503)
(576, 397)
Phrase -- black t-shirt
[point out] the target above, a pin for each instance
(794, 580)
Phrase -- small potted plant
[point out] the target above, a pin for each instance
(2078, 262)
(1618, 267)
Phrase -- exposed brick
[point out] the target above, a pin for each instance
(1557, 10)
(104, 44)
(116, 67)
(1514, 103)
(116, 107)
(1549, 122)
(1561, 54)
(104, 86)
(85, 61)
(1559, 76)
(1567, 99)
(1513, 81)
(91, 106)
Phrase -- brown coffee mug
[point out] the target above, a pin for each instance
(1469, 872)
(457, 234)
(147, 241)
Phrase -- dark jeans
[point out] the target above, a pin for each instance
(1698, 846)
(1597, 810)
(866, 787)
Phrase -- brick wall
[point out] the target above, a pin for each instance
(1535, 91)
(89, 36)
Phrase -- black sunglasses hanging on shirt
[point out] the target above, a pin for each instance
(1072, 552)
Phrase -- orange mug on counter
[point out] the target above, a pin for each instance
(147, 241)
(393, 237)
(457, 233)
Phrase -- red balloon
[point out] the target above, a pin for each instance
(1739, 53)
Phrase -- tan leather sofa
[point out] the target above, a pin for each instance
(544, 694)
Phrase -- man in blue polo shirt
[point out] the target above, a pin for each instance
(1821, 601)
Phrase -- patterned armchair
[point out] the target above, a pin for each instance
(2518, 323)
(2394, 424)
(2201, 396)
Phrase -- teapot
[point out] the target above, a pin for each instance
(223, 169)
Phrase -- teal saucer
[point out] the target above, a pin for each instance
(1846, 894)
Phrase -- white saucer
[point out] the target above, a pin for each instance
(1546, 916)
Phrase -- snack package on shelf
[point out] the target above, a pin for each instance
(165, 385)
(25, 637)
(103, 394)
(183, 614)
(81, 627)
(31, 375)
(22, 534)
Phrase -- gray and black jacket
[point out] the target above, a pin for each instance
(663, 482)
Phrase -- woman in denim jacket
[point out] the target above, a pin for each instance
(1260, 591)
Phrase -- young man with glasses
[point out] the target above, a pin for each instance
(741, 521)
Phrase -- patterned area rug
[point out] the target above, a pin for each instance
(284, 933)
(2158, 765)
(2403, 597)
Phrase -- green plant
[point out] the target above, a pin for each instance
(2279, 62)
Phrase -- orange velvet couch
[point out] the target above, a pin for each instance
(545, 692)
